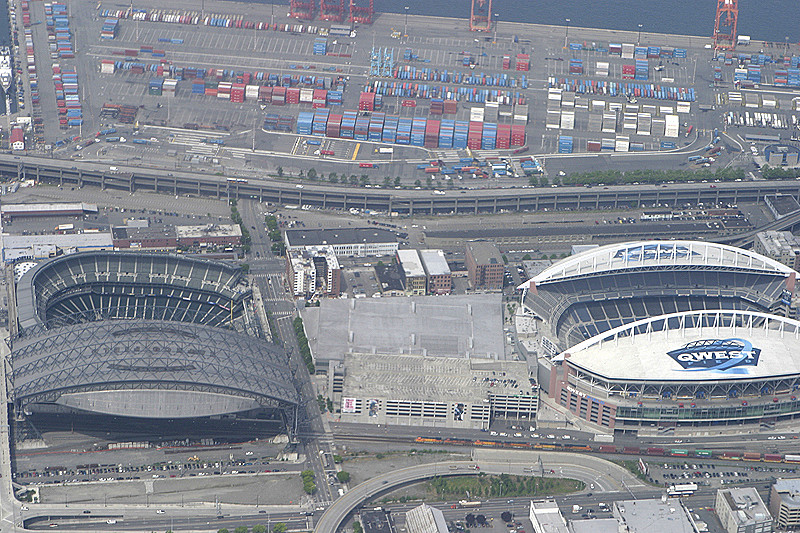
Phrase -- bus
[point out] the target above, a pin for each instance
(681, 490)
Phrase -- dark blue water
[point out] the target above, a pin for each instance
(764, 20)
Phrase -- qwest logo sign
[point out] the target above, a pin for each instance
(716, 354)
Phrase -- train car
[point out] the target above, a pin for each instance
(607, 448)
(792, 459)
(631, 450)
(655, 451)
(679, 453)
(428, 440)
(751, 456)
(773, 458)
(578, 448)
(733, 456)
(458, 442)
(703, 453)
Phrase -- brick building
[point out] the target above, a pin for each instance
(484, 265)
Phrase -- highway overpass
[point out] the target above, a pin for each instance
(595, 472)
(401, 201)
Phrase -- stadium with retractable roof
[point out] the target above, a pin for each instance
(147, 337)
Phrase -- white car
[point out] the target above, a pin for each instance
(493, 433)
(504, 434)
(111, 521)
(551, 436)
(160, 511)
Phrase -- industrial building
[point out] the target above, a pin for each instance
(468, 326)
(426, 519)
(447, 392)
(313, 271)
(413, 272)
(17, 139)
(782, 246)
(484, 265)
(741, 510)
(346, 242)
(38, 247)
(11, 211)
(646, 516)
(690, 370)
(784, 503)
(167, 238)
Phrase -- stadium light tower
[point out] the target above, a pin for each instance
(725, 24)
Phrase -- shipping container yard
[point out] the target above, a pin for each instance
(273, 91)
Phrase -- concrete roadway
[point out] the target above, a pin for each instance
(591, 470)
(9, 506)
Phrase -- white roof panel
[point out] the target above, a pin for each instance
(693, 346)
(640, 254)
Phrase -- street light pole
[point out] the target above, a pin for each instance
(405, 27)
(639, 35)
(496, 15)
(566, 33)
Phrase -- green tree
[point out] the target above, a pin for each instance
(329, 405)
(332, 177)
(240, 529)
(271, 222)
(353, 180)
(343, 476)
(526, 257)
(223, 530)
(337, 458)
(428, 182)
(417, 183)
(357, 527)
(280, 527)
(364, 180)
(280, 175)
(278, 248)
(312, 174)
(310, 487)
(259, 528)
(397, 181)
(387, 181)
(245, 268)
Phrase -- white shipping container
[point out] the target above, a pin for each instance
(622, 143)
(306, 95)
(684, 107)
(476, 114)
(567, 120)
(251, 91)
(672, 126)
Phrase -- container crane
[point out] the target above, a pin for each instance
(301, 9)
(360, 12)
(333, 10)
(725, 24)
(480, 18)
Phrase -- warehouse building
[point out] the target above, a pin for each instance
(346, 242)
(11, 211)
(484, 265)
(547, 518)
(741, 510)
(158, 238)
(37, 247)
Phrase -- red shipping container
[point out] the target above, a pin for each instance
(293, 95)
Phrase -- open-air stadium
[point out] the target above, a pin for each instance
(693, 370)
(150, 336)
(603, 288)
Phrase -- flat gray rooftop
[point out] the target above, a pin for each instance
(450, 326)
(646, 516)
(436, 379)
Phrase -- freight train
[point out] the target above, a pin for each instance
(625, 450)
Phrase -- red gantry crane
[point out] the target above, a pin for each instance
(333, 10)
(301, 9)
(480, 18)
(725, 24)
(362, 11)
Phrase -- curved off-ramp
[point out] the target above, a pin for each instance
(593, 471)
